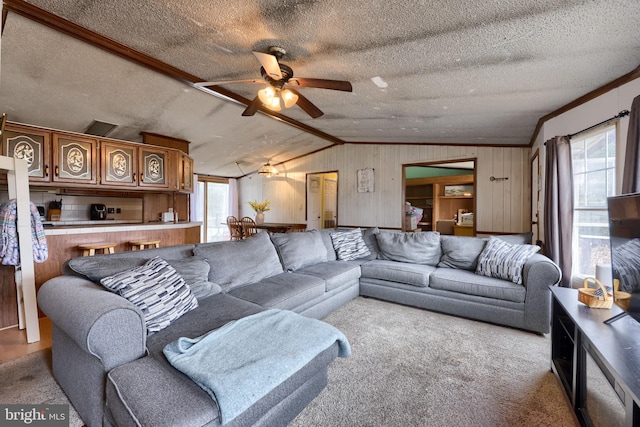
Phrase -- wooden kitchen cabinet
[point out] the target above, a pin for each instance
(32, 145)
(153, 167)
(185, 174)
(74, 159)
(119, 164)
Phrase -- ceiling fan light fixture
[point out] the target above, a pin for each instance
(270, 97)
(268, 170)
(289, 98)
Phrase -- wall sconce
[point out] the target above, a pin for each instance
(493, 178)
(268, 170)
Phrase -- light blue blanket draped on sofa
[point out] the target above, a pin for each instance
(242, 361)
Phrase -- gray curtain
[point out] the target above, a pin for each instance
(631, 171)
(558, 205)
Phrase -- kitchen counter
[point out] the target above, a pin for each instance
(110, 226)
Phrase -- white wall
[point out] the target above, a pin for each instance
(588, 114)
(502, 206)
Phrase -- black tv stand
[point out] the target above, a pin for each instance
(596, 358)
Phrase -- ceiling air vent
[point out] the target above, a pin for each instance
(100, 128)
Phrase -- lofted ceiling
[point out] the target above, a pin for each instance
(447, 71)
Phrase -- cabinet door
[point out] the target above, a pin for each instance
(31, 145)
(119, 164)
(186, 174)
(153, 164)
(74, 159)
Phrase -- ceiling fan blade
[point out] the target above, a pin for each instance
(253, 107)
(321, 83)
(226, 82)
(270, 64)
(307, 105)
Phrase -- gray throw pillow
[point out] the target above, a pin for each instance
(299, 249)
(503, 260)
(461, 252)
(349, 245)
(157, 290)
(416, 248)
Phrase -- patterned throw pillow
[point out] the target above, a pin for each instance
(349, 245)
(157, 289)
(504, 260)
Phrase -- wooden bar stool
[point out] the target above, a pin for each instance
(142, 244)
(90, 249)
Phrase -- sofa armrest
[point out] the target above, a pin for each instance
(538, 274)
(100, 322)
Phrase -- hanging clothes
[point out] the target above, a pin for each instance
(9, 247)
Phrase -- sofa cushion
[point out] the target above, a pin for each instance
(334, 273)
(240, 262)
(461, 252)
(99, 266)
(415, 248)
(95, 268)
(300, 249)
(504, 260)
(411, 274)
(369, 237)
(349, 245)
(325, 233)
(157, 289)
(195, 272)
(517, 239)
(467, 282)
(285, 291)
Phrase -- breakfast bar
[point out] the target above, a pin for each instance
(63, 242)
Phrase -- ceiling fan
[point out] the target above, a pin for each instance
(279, 79)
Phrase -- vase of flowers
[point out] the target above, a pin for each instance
(260, 208)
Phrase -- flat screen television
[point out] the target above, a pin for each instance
(624, 231)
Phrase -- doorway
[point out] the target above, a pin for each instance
(440, 197)
(322, 200)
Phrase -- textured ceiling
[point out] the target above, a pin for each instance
(457, 72)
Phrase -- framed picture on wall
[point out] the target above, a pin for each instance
(366, 180)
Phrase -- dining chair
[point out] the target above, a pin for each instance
(235, 228)
(248, 227)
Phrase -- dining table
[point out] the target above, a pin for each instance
(281, 227)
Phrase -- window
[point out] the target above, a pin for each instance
(593, 160)
(212, 209)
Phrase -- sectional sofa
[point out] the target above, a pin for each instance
(108, 356)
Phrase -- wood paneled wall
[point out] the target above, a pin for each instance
(502, 206)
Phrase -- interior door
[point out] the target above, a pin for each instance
(330, 199)
(314, 201)
(322, 200)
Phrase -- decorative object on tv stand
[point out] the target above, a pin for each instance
(260, 208)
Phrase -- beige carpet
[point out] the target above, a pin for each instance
(29, 380)
(409, 367)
